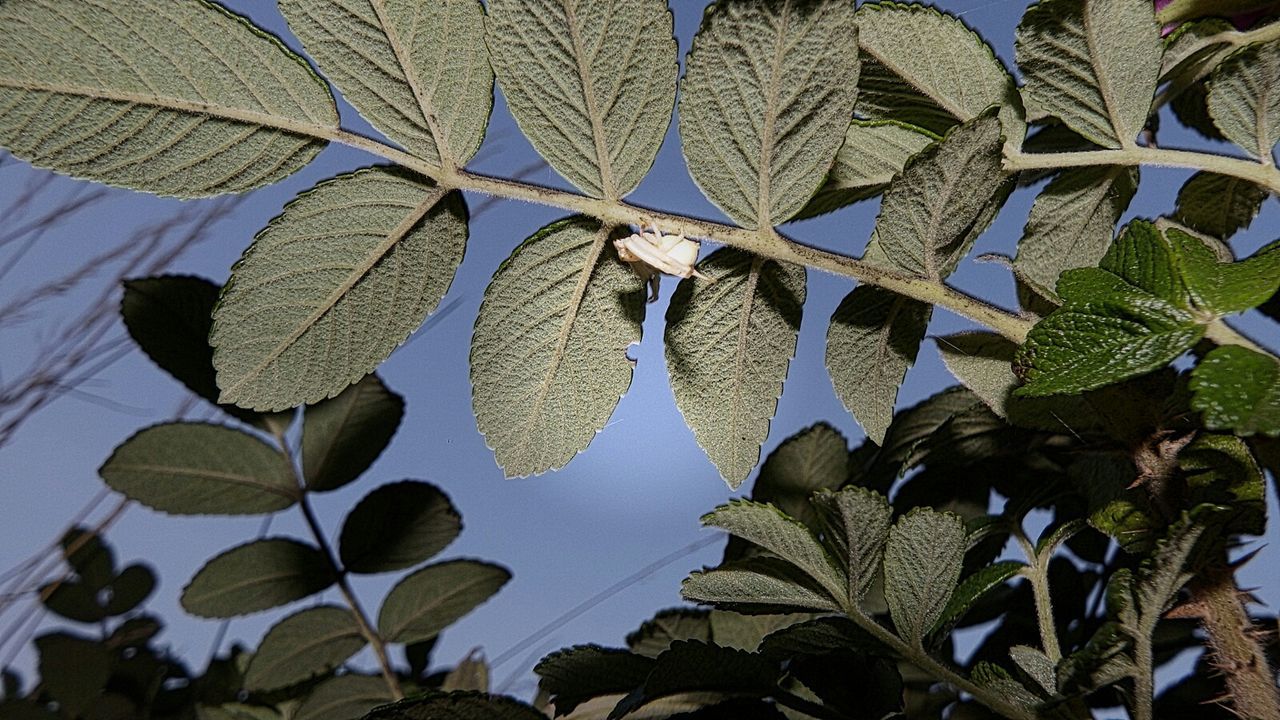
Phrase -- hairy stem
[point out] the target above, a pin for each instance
(1144, 678)
(1037, 573)
(1263, 174)
(1236, 653)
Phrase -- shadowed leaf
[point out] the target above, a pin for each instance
(398, 526)
(433, 598)
(342, 436)
(256, 576)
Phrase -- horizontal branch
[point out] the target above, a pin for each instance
(1262, 174)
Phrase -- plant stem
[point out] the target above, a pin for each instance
(799, 704)
(1037, 573)
(1251, 688)
(1223, 334)
(1144, 683)
(1263, 173)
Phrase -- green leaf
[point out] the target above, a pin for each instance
(305, 644)
(1164, 573)
(822, 637)
(856, 522)
(973, 588)
(73, 600)
(728, 347)
(699, 667)
(872, 341)
(345, 697)
(1073, 221)
(110, 93)
(922, 563)
(657, 634)
(1103, 661)
(417, 70)
(874, 151)
(91, 558)
(1093, 64)
(73, 670)
(256, 576)
(785, 537)
(435, 705)
(1037, 666)
(983, 362)
(342, 436)
(130, 589)
(767, 96)
(816, 458)
(997, 680)
(1238, 389)
(398, 526)
(943, 200)
(575, 675)
(333, 284)
(758, 583)
(1222, 471)
(1244, 98)
(435, 597)
(745, 632)
(1218, 205)
(200, 469)
(927, 68)
(549, 355)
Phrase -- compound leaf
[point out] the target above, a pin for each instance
(342, 436)
(1238, 389)
(256, 576)
(856, 522)
(435, 597)
(398, 526)
(873, 153)
(1244, 98)
(302, 645)
(1218, 205)
(789, 539)
(333, 284)
(922, 563)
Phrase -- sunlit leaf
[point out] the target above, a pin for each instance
(574, 675)
(471, 673)
(418, 70)
(302, 645)
(345, 697)
(342, 436)
(181, 99)
(758, 583)
(591, 84)
(201, 469)
(333, 284)
(743, 631)
(728, 347)
(856, 522)
(549, 355)
(433, 598)
(767, 96)
(1238, 389)
(397, 526)
(1244, 98)
(922, 564)
(874, 151)
(256, 576)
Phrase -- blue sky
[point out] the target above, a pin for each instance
(633, 497)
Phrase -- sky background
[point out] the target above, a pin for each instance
(632, 498)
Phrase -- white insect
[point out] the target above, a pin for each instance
(652, 253)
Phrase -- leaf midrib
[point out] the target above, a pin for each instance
(420, 611)
(736, 411)
(402, 55)
(213, 475)
(1104, 82)
(607, 187)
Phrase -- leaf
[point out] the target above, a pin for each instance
(657, 634)
(201, 469)
(693, 666)
(73, 600)
(1073, 221)
(398, 526)
(728, 347)
(872, 341)
(471, 673)
(922, 563)
(342, 436)
(256, 576)
(767, 96)
(435, 597)
(1238, 390)
(972, 589)
(758, 583)
(130, 589)
(983, 362)
(822, 637)
(816, 458)
(305, 644)
(345, 697)
(874, 151)
(1164, 573)
(574, 675)
(745, 632)
(1093, 64)
(113, 93)
(1222, 471)
(1218, 205)
(418, 71)
(333, 284)
(785, 537)
(592, 85)
(73, 670)
(435, 705)
(927, 68)
(549, 355)
(169, 317)
(935, 209)
(1244, 98)
(91, 558)
(856, 521)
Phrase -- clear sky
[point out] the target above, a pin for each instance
(632, 498)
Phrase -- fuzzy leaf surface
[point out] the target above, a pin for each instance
(342, 436)
(873, 153)
(302, 645)
(333, 284)
(1238, 389)
(435, 597)
(1218, 205)
(922, 563)
(816, 458)
(183, 99)
(758, 583)
(1244, 98)
(397, 526)
(856, 521)
(785, 537)
(256, 576)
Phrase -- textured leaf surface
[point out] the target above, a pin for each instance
(874, 151)
(974, 587)
(1244, 98)
(1218, 205)
(872, 341)
(418, 70)
(922, 563)
(927, 68)
(592, 84)
(345, 697)
(398, 526)
(342, 436)
(200, 469)
(330, 287)
(435, 597)
(181, 99)
(728, 347)
(701, 667)
(1093, 64)
(1073, 221)
(657, 634)
(456, 706)
(305, 644)
(766, 99)
(574, 675)
(816, 458)
(1238, 389)
(256, 576)
(754, 583)
(549, 355)
(785, 537)
(857, 524)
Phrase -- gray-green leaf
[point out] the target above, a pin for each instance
(754, 584)
(874, 151)
(418, 70)
(342, 436)
(857, 524)
(181, 99)
(728, 347)
(785, 537)
(922, 564)
(1093, 64)
(201, 469)
(1218, 205)
(397, 526)
(435, 597)
(256, 576)
(816, 458)
(592, 84)
(1244, 98)
(549, 355)
(332, 285)
(305, 644)
(345, 697)
(766, 99)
